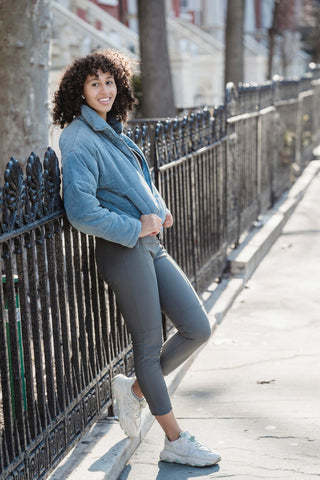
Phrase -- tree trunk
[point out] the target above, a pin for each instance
(157, 89)
(273, 30)
(234, 54)
(24, 55)
(316, 37)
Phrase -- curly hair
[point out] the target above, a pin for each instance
(67, 99)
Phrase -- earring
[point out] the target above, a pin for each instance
(83, 97)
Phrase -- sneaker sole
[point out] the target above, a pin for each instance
(188, 461)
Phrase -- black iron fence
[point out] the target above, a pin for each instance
(62, 337)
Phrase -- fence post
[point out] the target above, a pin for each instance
(231, 108)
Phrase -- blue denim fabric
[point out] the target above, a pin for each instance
(105, 189)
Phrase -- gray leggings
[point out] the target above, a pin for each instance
(146, 281)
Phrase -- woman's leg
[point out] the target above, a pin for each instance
(130, 273)
(169, 425)
(168, 422)
(182, 305)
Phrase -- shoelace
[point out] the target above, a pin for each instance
(197, 444)
(192, 439)
(138, 407)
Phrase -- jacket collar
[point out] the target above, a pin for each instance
(97, 123)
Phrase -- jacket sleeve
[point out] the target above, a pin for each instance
(80, 180)
(161, 203)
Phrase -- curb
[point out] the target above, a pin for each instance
(104, 451)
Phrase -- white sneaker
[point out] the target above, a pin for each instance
(188, 451)
(128, 407)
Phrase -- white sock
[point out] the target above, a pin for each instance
(136, 396)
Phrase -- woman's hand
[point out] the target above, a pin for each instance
(168, 221)
(151, 225)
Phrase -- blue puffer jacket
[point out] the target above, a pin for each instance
(105, 189)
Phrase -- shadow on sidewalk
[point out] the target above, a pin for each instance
(174, 471)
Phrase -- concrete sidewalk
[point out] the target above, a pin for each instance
(253, 392)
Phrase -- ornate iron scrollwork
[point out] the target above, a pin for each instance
(35, 189)
(14, 197)
(27, 200)
(52, 183)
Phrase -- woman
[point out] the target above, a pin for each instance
(108, 193)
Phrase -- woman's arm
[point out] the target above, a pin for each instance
(168, 221)
(80, 180)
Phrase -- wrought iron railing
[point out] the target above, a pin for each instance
(62, 337)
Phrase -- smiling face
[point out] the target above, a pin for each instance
(100, 91)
